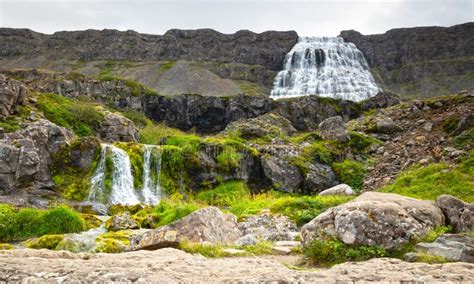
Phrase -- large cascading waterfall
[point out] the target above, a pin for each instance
(327, 67)
(113, 181)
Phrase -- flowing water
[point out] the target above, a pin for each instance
(113, 182)
(327, 67)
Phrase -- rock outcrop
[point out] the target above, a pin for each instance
(205, 225)
(121, 222)
(459, 215)
(267, 125)
(116, 127)
(12, 95)
(333, 128)
(450, 246)
(374, 218)
(26, 155)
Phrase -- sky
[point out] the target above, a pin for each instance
(309, 18)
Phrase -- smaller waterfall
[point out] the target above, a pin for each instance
(151, 174)
(112, 182)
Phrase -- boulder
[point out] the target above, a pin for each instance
(459, 215)
(374, 218)
(269, 124)
(340, 189)
(208, 225)
(319, 177)
(284, 175)
(386, 125)
(116, 127)
(12, 95)
(121, 222)
(268, 227)
(450, 246)
(333, 128)
(89, 207)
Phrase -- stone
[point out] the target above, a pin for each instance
(89, 207)
(375, 218)
(340, 189)
(267, 226)
(281, 250)
(450, 246)
(333, 128)
(205, 225)
(116, 127)
(386, 125)
(428, 126)
(247, 240)
(267, 125)
(459, 215)
(282, 173)
(12, 95)
(287, 244)
(121, 222)
(318, 178)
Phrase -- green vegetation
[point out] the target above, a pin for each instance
(433, 180)
(168, 210)
(360, 142)
(350, 172)
(84, 118)
(430, 258)
(12, 122)
(26, 223)
(250, 88)
(450, 124)
(225, 194)
(214, 251)
(165, 66)
(323, 151)
(113, 242)
(6, 246)
(44, 242)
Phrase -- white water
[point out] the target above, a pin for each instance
(151, 174)
(327, 67)
(122, 189)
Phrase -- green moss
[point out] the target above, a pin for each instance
(360, 142)
(82, 117)
(322, 151)
(6, 246)
(91, 221)
(465, 139)
(430, 258)
(350, 172)
(305, 137)
(26, 223)
(165, 66)
(135, 88)
(44, 242)
(228, 159)
(138, 118)
(113, 242)
(250, 88)
(450, 124)
(433, 180)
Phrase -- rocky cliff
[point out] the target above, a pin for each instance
(420, 61)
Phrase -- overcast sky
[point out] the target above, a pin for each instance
(227, 16)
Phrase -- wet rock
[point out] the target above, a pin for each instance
(121, 222)
(267, 226)
(89, 207)
(340, 189)
(12, 95)
(205, 225)
(333, 128)
(374, 218)
(450, 246)
(116, 127)
(459, 215)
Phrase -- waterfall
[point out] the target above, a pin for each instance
(113, 182)
(151, 174)
(327, 67)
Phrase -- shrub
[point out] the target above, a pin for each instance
(350, 172)
(27, 222)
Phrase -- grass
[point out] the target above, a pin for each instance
(350, 172)
(27, 222)
(215, 251)
(168, 210)
(80, 116)
(436, 179)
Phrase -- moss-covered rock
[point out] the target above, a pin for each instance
(6, 246)
(44, 242)
(113, 242)
(91, 221)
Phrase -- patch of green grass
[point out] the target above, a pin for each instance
(305, 137)
(330, 251)
(433, 180)
(134, 88)
(250, 88)
(465, 139)
(260, 248)
(26, 223)
(225, 194)
(138, 118)
(350, 172)
(360, 142)
(211, 251)
(82, 117)
(450, 124)
(323, 151)
(432, 235)
(430, 258)
(168, 211)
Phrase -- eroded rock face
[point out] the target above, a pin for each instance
(12, 95)
(450, 246)
(30, 149)
(459, 215)
(204, 225)
(116, 127)
(374, 218)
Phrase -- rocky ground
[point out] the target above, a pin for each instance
(174, 266)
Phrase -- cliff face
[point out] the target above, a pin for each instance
(267, 49)
(420, 60)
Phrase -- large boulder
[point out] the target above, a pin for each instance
(121, 222)
(374, 218)
(333, 128)
(12, 95)
(459, 215)
(31, 150)
(284, 175)
(450, 246)
(116, 127)
(265, 125)
(318, 178)
(208, 225)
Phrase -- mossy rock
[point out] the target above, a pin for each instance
(6, 246)
(132, 209)
(91, 221)
(113, 242)
(44, 242)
